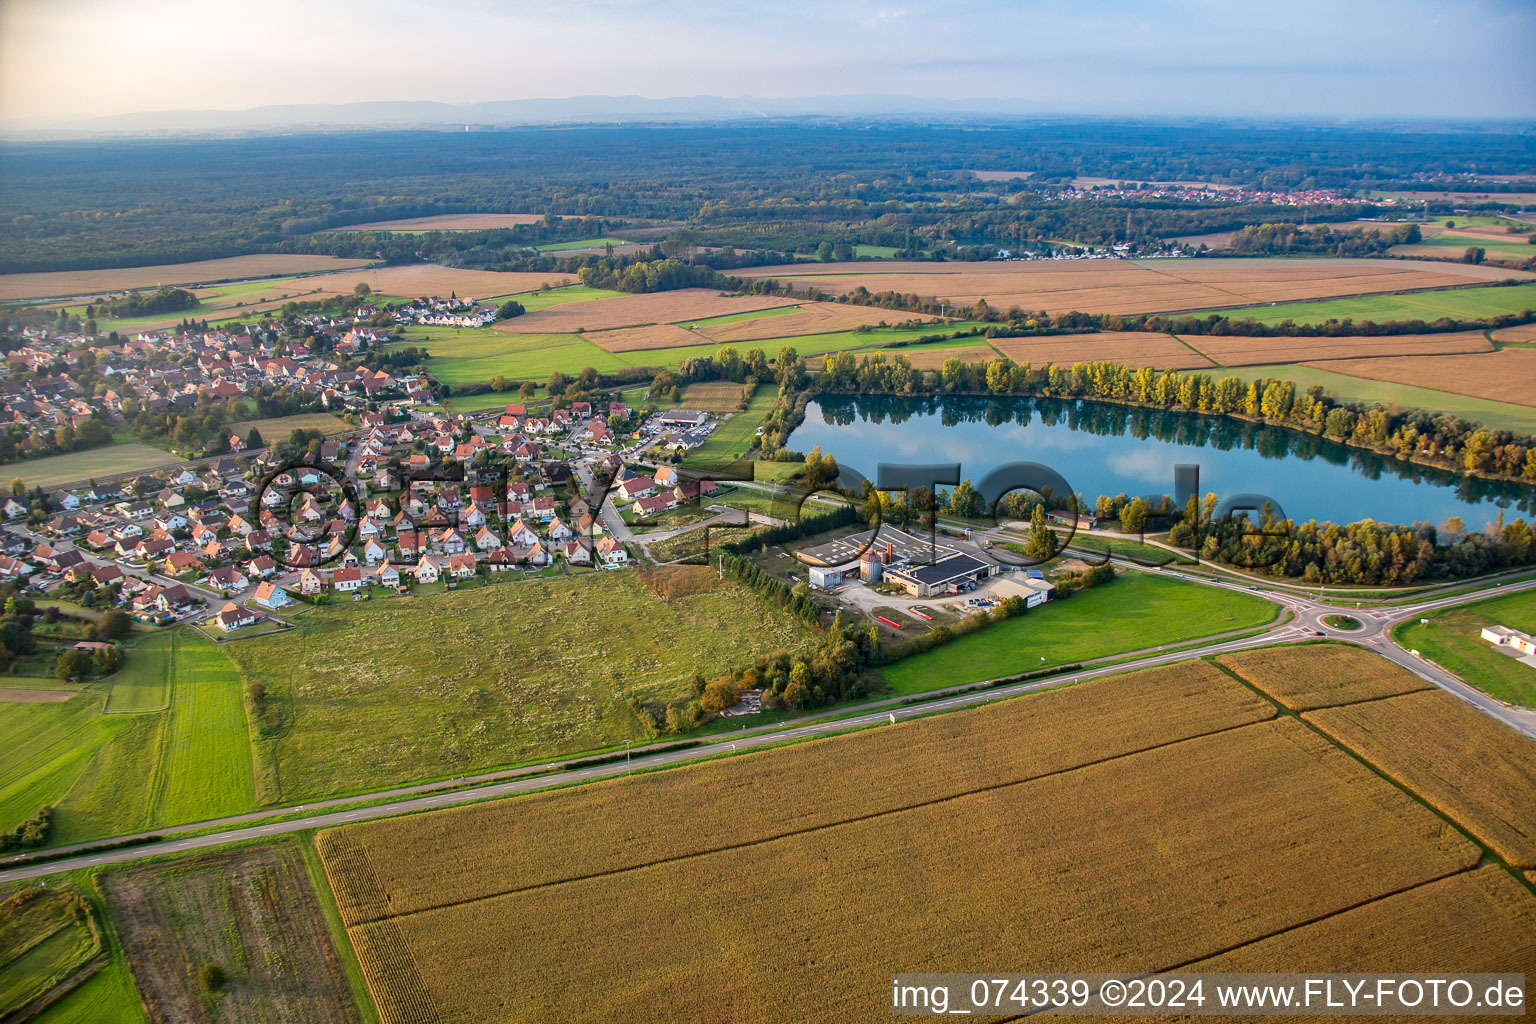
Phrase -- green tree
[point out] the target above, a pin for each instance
(824, 252)
(254, 440)
(1042, 544)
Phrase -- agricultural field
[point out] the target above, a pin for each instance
(248, 918)
(218, 303)
(1163, 351)
(716, 396)
(811, 318)
(1136, 610)
(367, 703)
(423, 279)
(887, 769)
(47, 936)
(556, 296)
(113, 773)
(1133, 286)
(583, 243)
(71, 283)
(670, 307)
(1476, 771)
(101, 463)
(736, 436)
(1501, 376)
(635, 339)
(143, 683)
(1483, 918)
(1201, 797)
(933, 357)
(1452, 640)
(1457, 303)
(277, 428)
(448, 222)
(465, 354)
(1499, 415)
(1321, 675)
(1239, 351)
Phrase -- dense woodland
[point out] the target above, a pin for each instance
(764, 185)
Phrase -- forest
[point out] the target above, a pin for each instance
(80, 204)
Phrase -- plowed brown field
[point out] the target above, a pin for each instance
(64, 283)
(1504, 376)
(1131, 348)
(1230, 351)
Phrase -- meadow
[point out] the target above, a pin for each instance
(109, 771)
(1458, 303)
(43, 942)
(736, 436)
(1136, 610)
(1200, 797)
(387, 691)
(277, 428)
(1452, 640)
(101, 463)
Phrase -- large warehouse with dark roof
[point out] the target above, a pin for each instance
(947, 576)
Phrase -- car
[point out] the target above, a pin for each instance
(1318, 632)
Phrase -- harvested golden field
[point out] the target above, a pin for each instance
(811, 318)
(713, 396)
(634, 339)
(69, 283)
(1124, 859)
(448, 222)
(1132, 286)
(1519, 198)
(376, 868)
(672, 307)
(1525, 334)
(926, 357)
(1503, 376)
(1230, 351)
(1163, 351)
(1321, 675)
(1479, 772)
(423, 279)
(1475, 921)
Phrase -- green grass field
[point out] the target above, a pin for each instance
(737, 435)
(110, 774)
(277, 428)
(877, 252)
(215, 303)
(143, 683)
(491, 400)
(431, 686)
(581, 243)
(1136, 611)
(732, 318)
(1452, 641)
(1459, 303)
(471, 354)
(109, 995)
(1499, 415)
(79, 467)
(534, 301)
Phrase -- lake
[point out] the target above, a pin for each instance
(1110, 449)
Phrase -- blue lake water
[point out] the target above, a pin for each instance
(1101, 448)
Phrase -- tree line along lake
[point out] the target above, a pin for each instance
(1102, 448)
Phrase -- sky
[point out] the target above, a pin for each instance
(70, 59)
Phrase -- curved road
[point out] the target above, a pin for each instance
(1305, 621)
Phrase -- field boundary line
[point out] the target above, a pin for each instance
(825, 826)
(1186, 344)
(1317, 919)
(1487, 851)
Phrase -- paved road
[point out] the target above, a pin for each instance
(1305, 622)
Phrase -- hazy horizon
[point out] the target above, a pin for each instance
(63, 61)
